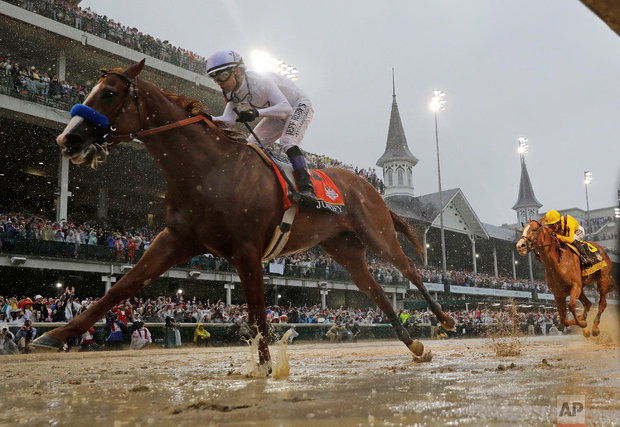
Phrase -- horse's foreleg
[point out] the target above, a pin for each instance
(560, 303)
(251, 275)
(575, 292)
(351, 255)
(165, 251)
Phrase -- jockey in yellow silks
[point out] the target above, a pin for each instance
(567, 230)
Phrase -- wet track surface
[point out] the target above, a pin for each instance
(365, 383)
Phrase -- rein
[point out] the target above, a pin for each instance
(112, 139)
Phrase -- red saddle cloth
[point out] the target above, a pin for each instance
(324, 188)
(326, 192)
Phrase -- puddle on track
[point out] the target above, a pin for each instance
(364, 383)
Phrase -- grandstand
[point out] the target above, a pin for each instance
(127, 192)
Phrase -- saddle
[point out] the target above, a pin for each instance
(326, 192)
(592, 262)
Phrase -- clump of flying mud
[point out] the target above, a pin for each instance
(426, 357)
(505, 336)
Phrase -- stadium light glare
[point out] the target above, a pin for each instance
(262, 61)
(522, 148)
(437, 101)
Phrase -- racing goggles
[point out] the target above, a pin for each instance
(222, 76)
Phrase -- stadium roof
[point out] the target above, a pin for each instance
(458, 213)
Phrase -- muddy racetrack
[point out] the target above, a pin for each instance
(365, 383)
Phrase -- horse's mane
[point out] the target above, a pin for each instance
(192, 107)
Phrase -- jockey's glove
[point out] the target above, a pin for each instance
(248, 115)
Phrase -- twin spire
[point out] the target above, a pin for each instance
(396, 147)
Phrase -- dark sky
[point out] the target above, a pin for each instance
(548, 70)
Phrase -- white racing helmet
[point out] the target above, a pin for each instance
(223, 59)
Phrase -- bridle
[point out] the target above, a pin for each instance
(106, 122)
(532, 244)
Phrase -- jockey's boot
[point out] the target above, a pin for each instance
(581, 247)
(305, 194)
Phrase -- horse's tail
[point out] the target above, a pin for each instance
(402, 227)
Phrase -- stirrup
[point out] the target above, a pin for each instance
(304, 198)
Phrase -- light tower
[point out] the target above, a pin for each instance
(438, 104)
(587, 180)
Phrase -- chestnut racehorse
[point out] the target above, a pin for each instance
(563, 274)
(223, 199)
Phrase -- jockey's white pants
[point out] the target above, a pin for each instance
(580, 234)
(291, 131)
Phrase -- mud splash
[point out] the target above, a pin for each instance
(278, 368)
(505, 336)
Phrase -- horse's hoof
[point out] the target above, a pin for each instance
(47, 341)
(416, 348)
(585, 333)
(449, 324)
(595, 332)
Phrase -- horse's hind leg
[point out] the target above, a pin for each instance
(350, 253)
(586, 309)
(382, 240)
(603, 288)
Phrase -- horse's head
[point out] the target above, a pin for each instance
(111, 106)
(529, 237)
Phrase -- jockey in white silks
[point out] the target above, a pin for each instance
(283, 109)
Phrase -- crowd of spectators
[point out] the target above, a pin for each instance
(471, 279)
(101, 26)
(129, 244)
(592, 225)
(165, 309)
(16, 310)
(29, 82)
(128, 318)
(480, 321)
(317, 161)
(17, 227)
